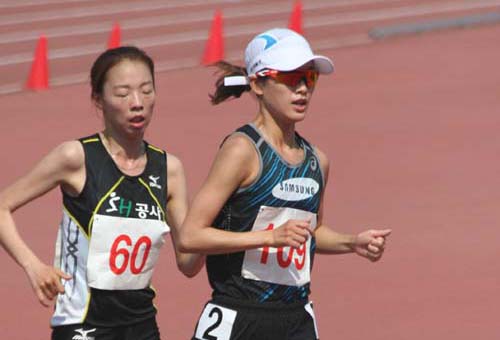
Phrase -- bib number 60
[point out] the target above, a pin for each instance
(120, 249)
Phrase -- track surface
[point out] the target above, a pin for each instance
(411, 127)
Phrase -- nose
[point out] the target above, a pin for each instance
(136, 101)
(302, 86)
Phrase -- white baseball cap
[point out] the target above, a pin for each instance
(279, 49)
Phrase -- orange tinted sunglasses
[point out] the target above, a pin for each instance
(291, 78)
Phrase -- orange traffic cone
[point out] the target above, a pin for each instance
(114, 37)
(39, 75)
(295, 22)
(214, 49)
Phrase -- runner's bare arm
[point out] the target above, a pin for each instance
(177, 206)
(369, 243)
(62, 166)
(236, 165)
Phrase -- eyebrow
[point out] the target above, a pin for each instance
(128, 86)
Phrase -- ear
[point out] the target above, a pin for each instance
(97, 100)
(256, 86)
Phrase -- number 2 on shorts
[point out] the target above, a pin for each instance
(216, 323)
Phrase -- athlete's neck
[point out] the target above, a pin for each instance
(281, 136)
(122, 147)
(279, 133)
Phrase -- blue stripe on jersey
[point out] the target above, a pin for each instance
(290, 294)
(276, 181)
(267, 157)
(269, 291)
(268, 182)
(304, 170)
(303, 292)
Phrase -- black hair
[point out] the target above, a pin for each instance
(222, 92)
(112, 57)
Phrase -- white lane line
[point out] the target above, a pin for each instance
(20, 3)
(26, 3)
(388, 31)
(319, 21)
(408, 11)
(183, 63)
(168, 20)
(23, 18)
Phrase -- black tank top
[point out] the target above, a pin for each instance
(110, 193)
(278, 187)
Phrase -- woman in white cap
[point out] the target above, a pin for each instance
(259, 213)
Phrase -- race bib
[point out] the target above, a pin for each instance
(216, 323)
(284, 265)
(123, 251)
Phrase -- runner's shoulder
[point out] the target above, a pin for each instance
(70, 154)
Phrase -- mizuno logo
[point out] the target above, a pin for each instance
(154, 181)
(83, 334)
(296, 189)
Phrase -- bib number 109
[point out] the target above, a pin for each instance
(284, 260)
(120, 254)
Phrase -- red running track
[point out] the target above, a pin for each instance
(411, 127)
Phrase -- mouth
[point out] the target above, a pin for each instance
(137, 121)
(300, 105)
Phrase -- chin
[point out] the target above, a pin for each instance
(297, 116)
(136, 133)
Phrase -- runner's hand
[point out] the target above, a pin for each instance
(292, 233)
(46, 282)
(371, 243)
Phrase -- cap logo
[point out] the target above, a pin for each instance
(270, 41)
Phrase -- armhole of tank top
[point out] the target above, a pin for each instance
(85, 182)
(309, 146)
(257, 149)
(165, 155)
(313, 150)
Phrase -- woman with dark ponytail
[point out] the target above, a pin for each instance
(222, 91)
(259, 214)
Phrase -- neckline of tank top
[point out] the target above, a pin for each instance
(116, 165)
(284, 161)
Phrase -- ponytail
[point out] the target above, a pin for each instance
(223, 92)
